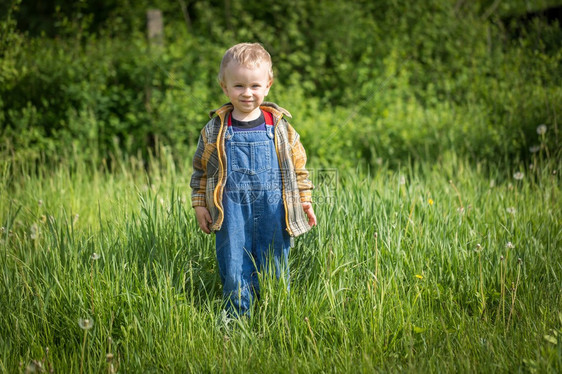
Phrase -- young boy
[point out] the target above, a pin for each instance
(249, 183)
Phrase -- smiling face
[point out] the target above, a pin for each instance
(246, 88)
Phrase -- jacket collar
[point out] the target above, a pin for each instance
(273, 108)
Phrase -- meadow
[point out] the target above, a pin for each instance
(432, 130)
(447, 266)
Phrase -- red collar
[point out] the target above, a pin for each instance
(267, 115)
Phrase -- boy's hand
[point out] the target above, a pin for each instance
(204, 218)
(310, 213)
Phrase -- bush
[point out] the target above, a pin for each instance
(369, 83)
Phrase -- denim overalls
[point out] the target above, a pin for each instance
(253, 234)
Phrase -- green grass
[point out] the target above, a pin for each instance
(388, 281)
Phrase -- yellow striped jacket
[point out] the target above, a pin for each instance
(209, 168)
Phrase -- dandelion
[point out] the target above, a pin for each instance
(509, 245)
(40, 202)
(94, 257)
(85, 323)
(34, 367)
(109, 360)
(109, 357)
(518, 176)
(430, 201)
(511, 210)
(419, 276)
(541, 129)
(483, 297)
(34, 232)
(534, 149)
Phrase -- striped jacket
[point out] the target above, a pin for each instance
(209, 168)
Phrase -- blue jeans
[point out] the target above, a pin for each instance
(253, 236)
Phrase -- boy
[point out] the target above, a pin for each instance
(249, 183)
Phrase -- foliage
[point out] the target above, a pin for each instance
(401, 80)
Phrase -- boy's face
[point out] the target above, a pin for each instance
(246, 88)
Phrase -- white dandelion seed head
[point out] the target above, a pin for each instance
(518, 176)
(35, 367)
(534, 148)
(40, 202)
(541, 129)
(511, 210)
(95, 256)
(34, 231)
(509, 245)
(86, 323)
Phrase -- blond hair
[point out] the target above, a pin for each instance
(249, 55)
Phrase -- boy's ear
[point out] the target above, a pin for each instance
(223, 86)
(269, 84)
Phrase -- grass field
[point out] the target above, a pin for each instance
(451, 266)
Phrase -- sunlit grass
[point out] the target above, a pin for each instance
(434, 267)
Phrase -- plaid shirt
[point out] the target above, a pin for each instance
(209, 168)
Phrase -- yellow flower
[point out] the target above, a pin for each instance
(430, 201)
(419, 276)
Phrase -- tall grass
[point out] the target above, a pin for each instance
(431, 267)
